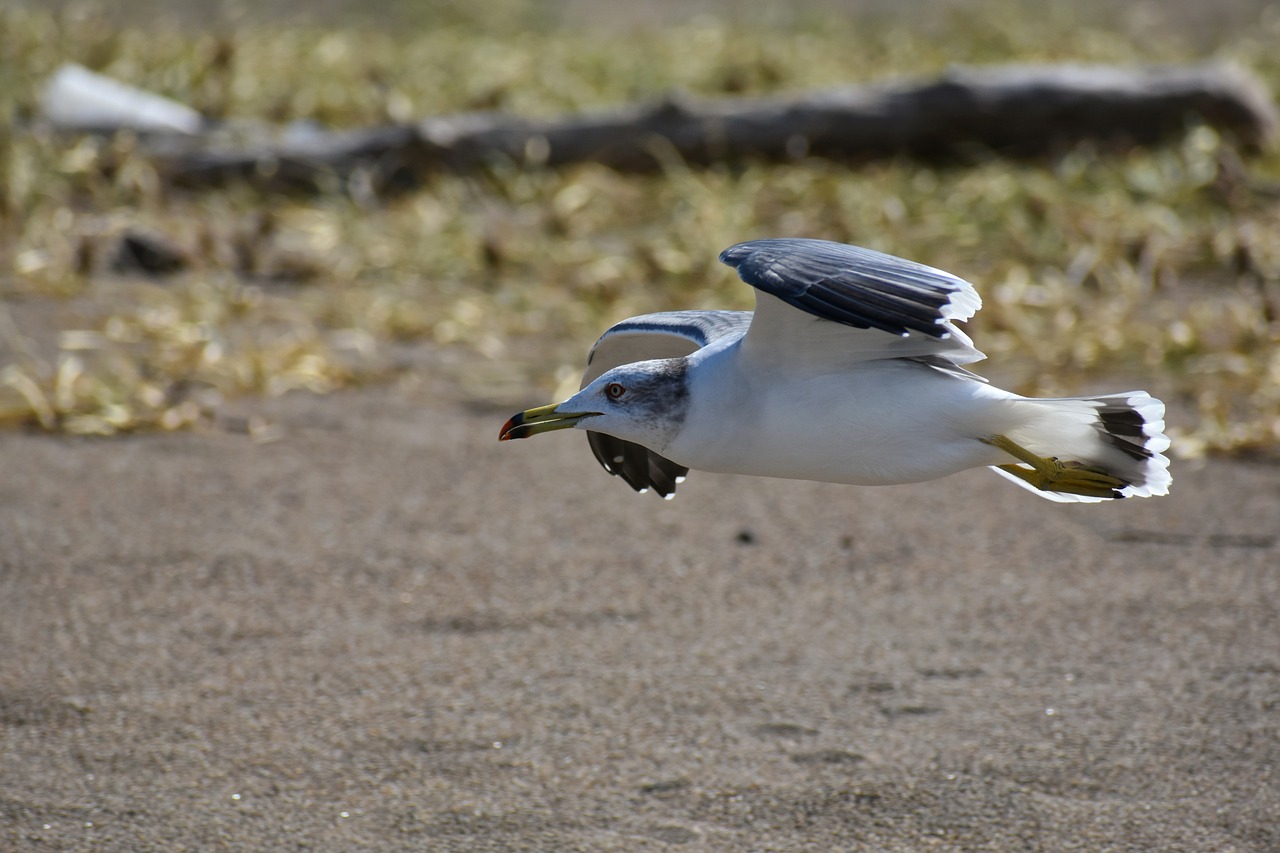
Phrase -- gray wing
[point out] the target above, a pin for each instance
(859, 289)
(671, 334)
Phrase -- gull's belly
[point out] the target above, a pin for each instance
(885, 422)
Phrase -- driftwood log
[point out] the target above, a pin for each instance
(1015, 111)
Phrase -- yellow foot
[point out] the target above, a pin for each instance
(1051, 475)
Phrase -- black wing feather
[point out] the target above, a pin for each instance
(639, 467)
(850, 285)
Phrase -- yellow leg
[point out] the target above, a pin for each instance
(1051, 475)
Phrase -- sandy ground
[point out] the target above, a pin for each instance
(388, 631)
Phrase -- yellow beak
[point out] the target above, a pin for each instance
(541, 419)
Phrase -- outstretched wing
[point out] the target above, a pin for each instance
(671, 334)
(883, 306)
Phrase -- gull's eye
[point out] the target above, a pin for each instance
(614, 390)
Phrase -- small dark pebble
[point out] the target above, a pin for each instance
(958, 672)
(745, 537)
(784, 730)
(666, 786)
(147, 253)
(872, 687)
(909, 710)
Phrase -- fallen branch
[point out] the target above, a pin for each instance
(1015, 111)
(1011, 110)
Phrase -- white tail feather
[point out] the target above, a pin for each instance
(1121, 434)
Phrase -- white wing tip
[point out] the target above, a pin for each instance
(963, 304)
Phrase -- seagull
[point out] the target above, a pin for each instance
(850, 370)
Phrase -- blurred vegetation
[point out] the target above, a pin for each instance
(1160, 267)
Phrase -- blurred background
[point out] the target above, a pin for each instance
(131, 302)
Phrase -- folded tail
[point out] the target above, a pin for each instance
(1121, 435)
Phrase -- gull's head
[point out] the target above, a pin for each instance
(644, 402)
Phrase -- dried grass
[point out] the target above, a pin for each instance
(1148, 263)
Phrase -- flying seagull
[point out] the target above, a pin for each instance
(850, 370)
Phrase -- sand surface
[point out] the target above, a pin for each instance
(387, 631)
